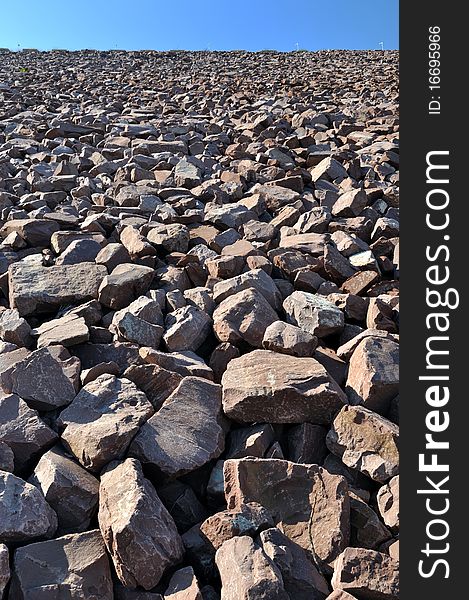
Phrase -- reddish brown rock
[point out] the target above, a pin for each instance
(186, 432)
(365, 441)
(183, 586)
(367, 574)
(307, 503)
(388, 503)
(113, 410)
(73, 566)
(288, 339)
(126, 283)
(138, 531)
(269, 387)
(314, 314)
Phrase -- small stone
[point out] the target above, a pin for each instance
(66, 331)
(135, 244)
(257, 279)
(186, 329)
(246, 572)
(126, 283)
(367, 574)
(73, 566)
(186, 432)
(23, 430)
(24, 513)
(41, 379)
(113, 410)
(313, 314)
(250, 441)
(265, 386)
(70, 490)
(14, 329)
(350, 204)
(388, 503)
(373, 376)
(183, 586)
(365, 441)
(287, 339)
(172, 238)
(138, 531)
(244, 316)
(301, 579)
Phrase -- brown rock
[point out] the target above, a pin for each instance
(41, 379)
(367, 529)
(186, 329)
(14, 329)
(135, 244)
(70, 490)
(186, 432)
(72, 566)
(314, 314)
(37, 289)
(269, 387)
(307, 503)
(184, 363)
(23, 430)
(183, 586)
(66, 331)
(373, 376)
(220, 358)
(246, 572)
(157, 383)
(24, 514)
(301, 579)
(350, 204)
(288, 339)
(346, 350)
(306, 444)
(365, 441)
(244, 316)
(388, 503)
(138, 531)
(36, 232)
(367, 574)
(126, 283)
(113, 410)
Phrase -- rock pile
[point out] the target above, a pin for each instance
(199, 315)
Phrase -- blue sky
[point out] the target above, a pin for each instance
(199, 24)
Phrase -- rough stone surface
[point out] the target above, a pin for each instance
(139, 533)
(313, 314)
(269, 387)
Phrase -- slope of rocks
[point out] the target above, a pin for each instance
(199, 325)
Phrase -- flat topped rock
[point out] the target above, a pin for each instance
(73, 566)
(265, 386)
(186, 432)
(38, 289)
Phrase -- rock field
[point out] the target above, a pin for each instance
(199, 325)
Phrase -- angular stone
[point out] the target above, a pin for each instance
(287, 339)
(306, 444)
(139, 533)
(328, 169)
(301, 578)
(35, 232)
(186, 432)
(66, 331)
(246, 572)
(337, 267)
(7, 458)
(388, 503)
(346, 350)
(246, 519)
(313, 314)
(264, 386)
(173, 238)
(184, 363)
(157, 383)
(41, 379)
(137, 331)
(182, 503)
(15, 329)
(257, 279)
(73, 566)
(135, 244)
(112, 410)
(350, 204)
(220, 358)
(23, 430)
(244, 316)
(37, 289)
(373, 375)
(126, 283)
(183, 586)
(186, 329)
(24, 514)
(367, 574)
(367, 529)
(365, 441)
(308, 504)
(340, 595)
(70, 490)
(250, 441)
